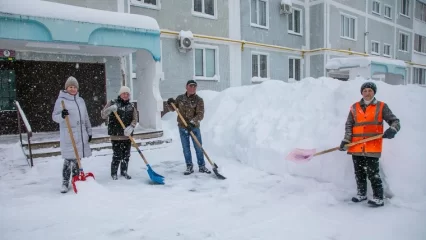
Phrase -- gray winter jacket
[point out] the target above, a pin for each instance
(80, 125)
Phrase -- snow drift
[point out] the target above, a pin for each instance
(258, 125)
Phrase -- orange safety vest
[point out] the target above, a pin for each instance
(367, 124)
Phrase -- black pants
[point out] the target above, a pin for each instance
(368, 167)
(120, 156)
(70, 166)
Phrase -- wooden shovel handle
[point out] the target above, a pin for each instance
(350, 144)
(74, 146)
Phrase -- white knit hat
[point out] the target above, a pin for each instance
(71, 81)
(124, 89)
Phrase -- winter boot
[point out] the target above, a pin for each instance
(203, 169)
(189, 169)
(114, 176)
(125, 175)
(359, 198)
(376, 202)
(64, 188)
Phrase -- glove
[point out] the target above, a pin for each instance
(342, 145)
(389, 133)
(112, 108)
(64, 113)
(90, 138)
(170, 101)
(190, 126)
(128, 131)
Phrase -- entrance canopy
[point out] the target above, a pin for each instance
(34, 25)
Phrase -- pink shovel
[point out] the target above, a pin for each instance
(304, 155)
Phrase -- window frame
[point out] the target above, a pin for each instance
(300, 22)
(268, 67)
(202, 14)
(372, 7)
(390, 11)
(390, 50)
(399, 42)
(378, 47)
(294, 67)
(407, 9)
(257, 14)
(355, 27)
(216, 77)
(142, 3)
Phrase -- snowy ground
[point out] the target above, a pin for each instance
(247, 131)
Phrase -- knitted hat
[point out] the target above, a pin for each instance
(71, 81)
(369, 85)
(124, 89)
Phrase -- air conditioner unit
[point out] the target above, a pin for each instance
(185, 41)
(285, 8)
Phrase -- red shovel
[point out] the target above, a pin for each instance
(82, 176)
(300, 155)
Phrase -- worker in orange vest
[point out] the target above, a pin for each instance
(366, 120)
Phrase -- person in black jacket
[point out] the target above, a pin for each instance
(120, 141)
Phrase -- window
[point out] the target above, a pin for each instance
(388, 12)
(294, 68)
(206, 62)
(376, 7)
(375, 47)
(403, 42)
(405, 6)
(7, 90)
(259, 65)
(419, 43)
(294, 21)
(386, 50)
(347, 27)
(420, 11)
(259, 13)
(205, 7)
(154, 4)
(419, 76)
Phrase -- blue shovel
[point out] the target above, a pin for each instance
(155, 177)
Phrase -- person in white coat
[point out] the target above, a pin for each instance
(75, 109)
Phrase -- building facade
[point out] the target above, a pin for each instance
(227, 43)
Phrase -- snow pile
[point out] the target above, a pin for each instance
(260, 124)
(350, 62)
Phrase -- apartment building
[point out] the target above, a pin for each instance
(393, 29)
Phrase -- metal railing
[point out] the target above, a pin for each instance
(21, 116)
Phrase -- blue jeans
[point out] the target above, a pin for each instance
(186, 147)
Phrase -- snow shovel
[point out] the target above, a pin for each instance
(155, 177)
(215, 167)
(81, 176)
(307, 154)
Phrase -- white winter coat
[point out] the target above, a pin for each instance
(80, 125)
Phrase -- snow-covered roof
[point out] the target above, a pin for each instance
(37, 8)
(348, 62)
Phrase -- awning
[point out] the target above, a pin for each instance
(35, 25)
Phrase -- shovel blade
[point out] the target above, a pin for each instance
(218, 175)
(81, 177)
(155, 177)
(301, 155)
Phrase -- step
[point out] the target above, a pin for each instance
(95, 140)
(144, 144)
